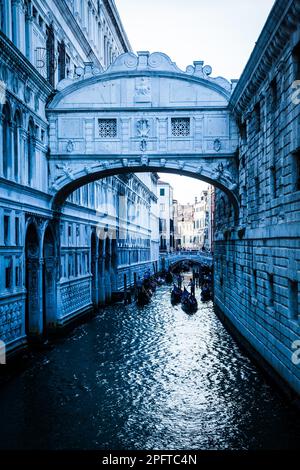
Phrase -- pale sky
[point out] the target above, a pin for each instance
(222, 33)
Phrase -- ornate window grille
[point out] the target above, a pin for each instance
(180, 127)
(107, 128)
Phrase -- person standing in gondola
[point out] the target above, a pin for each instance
(192, 286)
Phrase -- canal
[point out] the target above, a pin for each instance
(145, 378)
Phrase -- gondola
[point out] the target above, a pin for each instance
(188, 302)
(176, 295)
(205, 295)
(169, 277)
(143, 297)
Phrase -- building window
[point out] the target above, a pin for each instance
(107, 128)
(256, 179)
(8, 273)
(6, 140)
(16, 139)
(296, 60)
(273, 178)
(296, 171)
(257, 117)
(274, 94)
(293, 300)
(162, 192)
(254, 282)
(18, 276)
(162, 225)
(50, 55)
(31, 152)
(34, 13)
(6, 223)
(243, 132)
(180, 127)
(17, 231)
(41, 22)
(2, 17)
(270, 290)
(61, 61)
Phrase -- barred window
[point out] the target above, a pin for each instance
(107, 128)
(180, 127)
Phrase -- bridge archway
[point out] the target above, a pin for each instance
(173, 265)
(142, 114)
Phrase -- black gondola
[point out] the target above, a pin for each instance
(188, 302)
(169, 277)
(176, 295)
(143, 297)
(205, 295)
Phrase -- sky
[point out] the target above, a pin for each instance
(222, 33)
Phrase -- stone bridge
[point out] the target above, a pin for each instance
(169, 260)
(142, 114)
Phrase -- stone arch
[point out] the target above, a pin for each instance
(174, 264)
(70, 182)
(142, 97)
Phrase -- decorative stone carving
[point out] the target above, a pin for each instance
(64, 171)
(144, 160)
(69, 146)
(10, 321)
(75, 297)
(143, 128)
(217, 145)
(142, 90)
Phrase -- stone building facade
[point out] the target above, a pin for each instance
(50, 272)
(166, 217)
(257, 264)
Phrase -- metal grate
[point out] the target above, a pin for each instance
(107, 128)
(180, 127)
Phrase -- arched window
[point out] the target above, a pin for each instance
(31, 151)
(28, 14)
(6, 141)
(105, 52)
(2, 16)
(50, 55)
(16, 143)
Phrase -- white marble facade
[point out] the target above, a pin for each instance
(52, 271)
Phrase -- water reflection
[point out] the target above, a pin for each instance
(150, 378)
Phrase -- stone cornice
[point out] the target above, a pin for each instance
(116, 21)
(281, 22)
(14, 57)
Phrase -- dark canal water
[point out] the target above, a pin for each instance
(148, 378)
